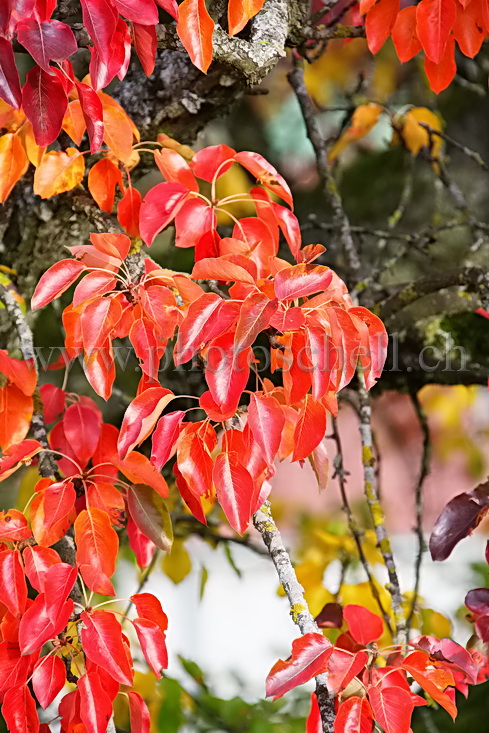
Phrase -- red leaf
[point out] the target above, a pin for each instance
(392, 707)
(153, 645)
(313, 722)
(44, 102)
(21, 373)
(379, 23)
(265, 174)
(91, 106)
(103, 645)
(100, 19)
(354, 716)
(95, 283)
(435, 19)
(191, 331)
(149, 607)
(13, 526)
(141, 416)
(97, 546)
(35, 626)
(148, 347)
(323, 356)
(404, 34)
(159, 208)
(195, 219)
(310, 428)
(226, 372)
(58, 584)
(139, 470)
(9, 76)
(441, 74)
(222, 268)
(458, 519)
(195, 28)
(301, 280)
(140, 719)
(433, 680)
(174, 168)
(46, 41)
(95, 704)
(48, 679)
(13, 588)
(55, 281)
(128, 211)
(170, 6)
(235, 490)
(14, 668)
(164, 441)
(309, 657)
(289, 227)
(142, 11)
(212, 162)
(195, 464)
(254, 317)
(240, 12)
(374, 342)
(343, 667)
(145, 44)
(142, 547)
(37, 561)
(477, 601)
(53, 402)
(468, 30)
(16, 455)
(267, 421)
(103, 177)
(82, 430)
(105, 496)
(364, 625)
(50, 512)
(103, 70)
(114, 245)
(19, 710)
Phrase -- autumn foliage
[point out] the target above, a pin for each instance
(240, 294)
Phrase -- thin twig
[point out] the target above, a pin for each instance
(330, 190)
(418, 495)
(340, 474)
(299, 610)
(377, 513)
(472, 154)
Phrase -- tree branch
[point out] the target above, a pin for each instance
(299, 610)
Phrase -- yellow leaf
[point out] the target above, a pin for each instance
(118, 133)
(435, 624)
(13, 163)
(416, 137)
(169, 142)
(10, 118)
(177, 564)
(363, 120)
(33, 150)
(58, 172)
(74, 122)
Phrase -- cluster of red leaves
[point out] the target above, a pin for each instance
(432, 26)
(319, 336)
(94, 500)
(370, 686)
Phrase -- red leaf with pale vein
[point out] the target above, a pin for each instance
(265, 174)
(363, 625)
(148, 347)
(235, 490)
(82, 429)
(48, 679)
(142, 547)
(145, 44)
(434, 680)
(149, 607)
(323, 356)
(13, 588)
(14, 668)
(55, 281)
(221, 268)
(310, 428)
(102, 643)
(165, 436)
(140, 719)
(193, 221)
(97, 546)
(46, 41)
(35, 626)
(114, 245)
(254, 317)
(435, 19)
(9, 76)
(310, 654)
(141, 416)
(226, 372)
(13, 526)
(343, 667)
(374, 342)
(58, 584)
(128, 211)
(195, 28)
(354, 716)
(301, 280)
(267, 421)
(44, 102)
(19, 710)
(100, 19)
(191, 329)
(212, 162)
(159, 208)
(95, 704)
(240, 12)
(152, 642)
(141, 11)
(195, 464)
(91, 106)
(17, 454)
(170, 6)
(392, 707)
(37, 561)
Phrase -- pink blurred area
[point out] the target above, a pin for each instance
(457, 462)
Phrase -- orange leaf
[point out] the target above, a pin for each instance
(33, 150)
(58, 172)
(74, 122)
(118, 133)
(13, 163)
(240, 12)
(15, 415)
(97, 546)
(195, 28)
(103, 177)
